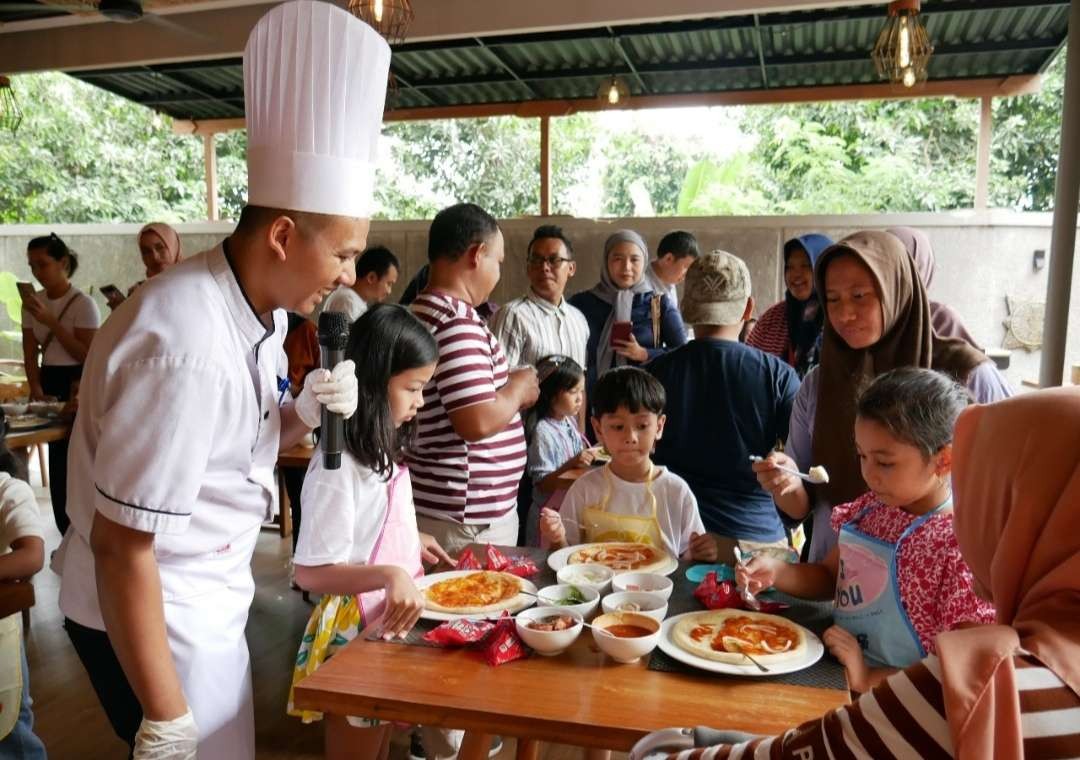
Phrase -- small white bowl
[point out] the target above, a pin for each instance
(626, 650)
(547, 597)
(594, 576)
(547, 643)
(647, 604)
(15, 408)
(45, 407)
(650, 583)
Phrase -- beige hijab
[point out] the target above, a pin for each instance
(168, 235)
(1016, 492)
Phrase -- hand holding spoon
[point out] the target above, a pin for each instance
(816, 475)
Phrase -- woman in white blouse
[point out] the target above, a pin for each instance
(58, 324)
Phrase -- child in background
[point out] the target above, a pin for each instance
(23, 555)
(630, 499)
(897, 574)
(556, 446)
(358, 543)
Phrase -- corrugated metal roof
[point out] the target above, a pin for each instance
(972, 39)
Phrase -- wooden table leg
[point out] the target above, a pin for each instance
(474, 746)
(528, 749)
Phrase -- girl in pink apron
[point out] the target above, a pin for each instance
(896, 575)
(557, 449)
(358, 543)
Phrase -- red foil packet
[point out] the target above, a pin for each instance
(522, 567)
(467, 561)
(458, 633)
(716, 595)
(503, 645)
(496, 560)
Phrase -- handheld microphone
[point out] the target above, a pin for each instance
(333, 335)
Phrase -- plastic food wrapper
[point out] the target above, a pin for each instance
(522, 567)
(717, 595)
(467, 561)
(459, 633)
(496, 560)
(503, 645)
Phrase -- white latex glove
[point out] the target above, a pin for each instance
(336, 390)
(176, 739)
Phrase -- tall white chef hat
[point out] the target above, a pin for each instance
(314, 90)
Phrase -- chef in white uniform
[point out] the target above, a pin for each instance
(181, 407)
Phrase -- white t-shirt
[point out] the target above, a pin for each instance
(676, 507)
(343, 512)
(83, 314)
(345, 301)
(19, 515)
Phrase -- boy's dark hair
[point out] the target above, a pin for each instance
(917, 406)
(457, 228)
(545, 231)
(631, 387)
(679, 244)
(377, 259)
(56, 249)
(9, 463)
(387, 340)
(556, 374)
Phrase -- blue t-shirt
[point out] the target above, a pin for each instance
(725, 401)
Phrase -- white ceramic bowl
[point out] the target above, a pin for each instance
(14, 408)
(547, 643)
(45, 407)
(626, 649)
(594, 576)
(647, 604)
(547, 597)
(650, 583)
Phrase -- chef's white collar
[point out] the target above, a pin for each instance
(252, 325)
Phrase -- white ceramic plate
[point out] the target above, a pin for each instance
(814, 650)
(557, 561)
(516, 604)
(27, 422)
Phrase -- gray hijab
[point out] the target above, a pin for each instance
(620, 299)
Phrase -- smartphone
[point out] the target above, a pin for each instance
(26, 290)
(620, 331)
(111, 292)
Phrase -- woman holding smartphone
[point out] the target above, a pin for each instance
(629, 323)
(58, 324)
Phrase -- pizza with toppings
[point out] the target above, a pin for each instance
(620, 557)
(723, 636)
(482, 591)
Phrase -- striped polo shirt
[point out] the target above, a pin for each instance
(452, 479)
(530, 328)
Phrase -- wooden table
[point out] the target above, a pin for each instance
(298, 456)
(58, 431)
(580, 697)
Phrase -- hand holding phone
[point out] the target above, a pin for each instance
(620, 331)
(26, 290)
(112, 295)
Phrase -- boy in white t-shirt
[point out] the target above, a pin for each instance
(22, 554)
(630, 499)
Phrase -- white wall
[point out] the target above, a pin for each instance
(981, 257)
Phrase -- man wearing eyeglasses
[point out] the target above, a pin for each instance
(541, 322)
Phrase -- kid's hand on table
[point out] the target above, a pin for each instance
(845, 648)
(404, 603)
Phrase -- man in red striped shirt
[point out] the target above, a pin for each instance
(470, 449)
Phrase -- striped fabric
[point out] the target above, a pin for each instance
(904, 718)
(530, 328)
(770, 334)
(472, 483)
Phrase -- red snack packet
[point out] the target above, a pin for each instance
(467, 561)
(457, 633)
(503, 645)
(522, 567)
(496, 560)
(716, 595)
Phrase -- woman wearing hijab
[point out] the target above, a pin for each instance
(159, 245)
(944, 319)
(877, 319)
(624, 297)
(790, 329)
(1006, 691)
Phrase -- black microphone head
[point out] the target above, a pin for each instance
(333, 330)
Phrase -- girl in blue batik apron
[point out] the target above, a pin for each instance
(896, 574)
(358, 543)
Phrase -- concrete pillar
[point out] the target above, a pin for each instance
(545, 166)
(210, 165)
(982, 162)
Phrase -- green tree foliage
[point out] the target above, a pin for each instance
(642, 166)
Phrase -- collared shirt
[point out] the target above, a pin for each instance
(178, 430)
(660, 286)
(346, 301)
(530, 328)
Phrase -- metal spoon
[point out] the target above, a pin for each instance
(760, 667)
(744, 592)
(817, 475)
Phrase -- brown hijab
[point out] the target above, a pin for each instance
(907, 340)
(1016, 489)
